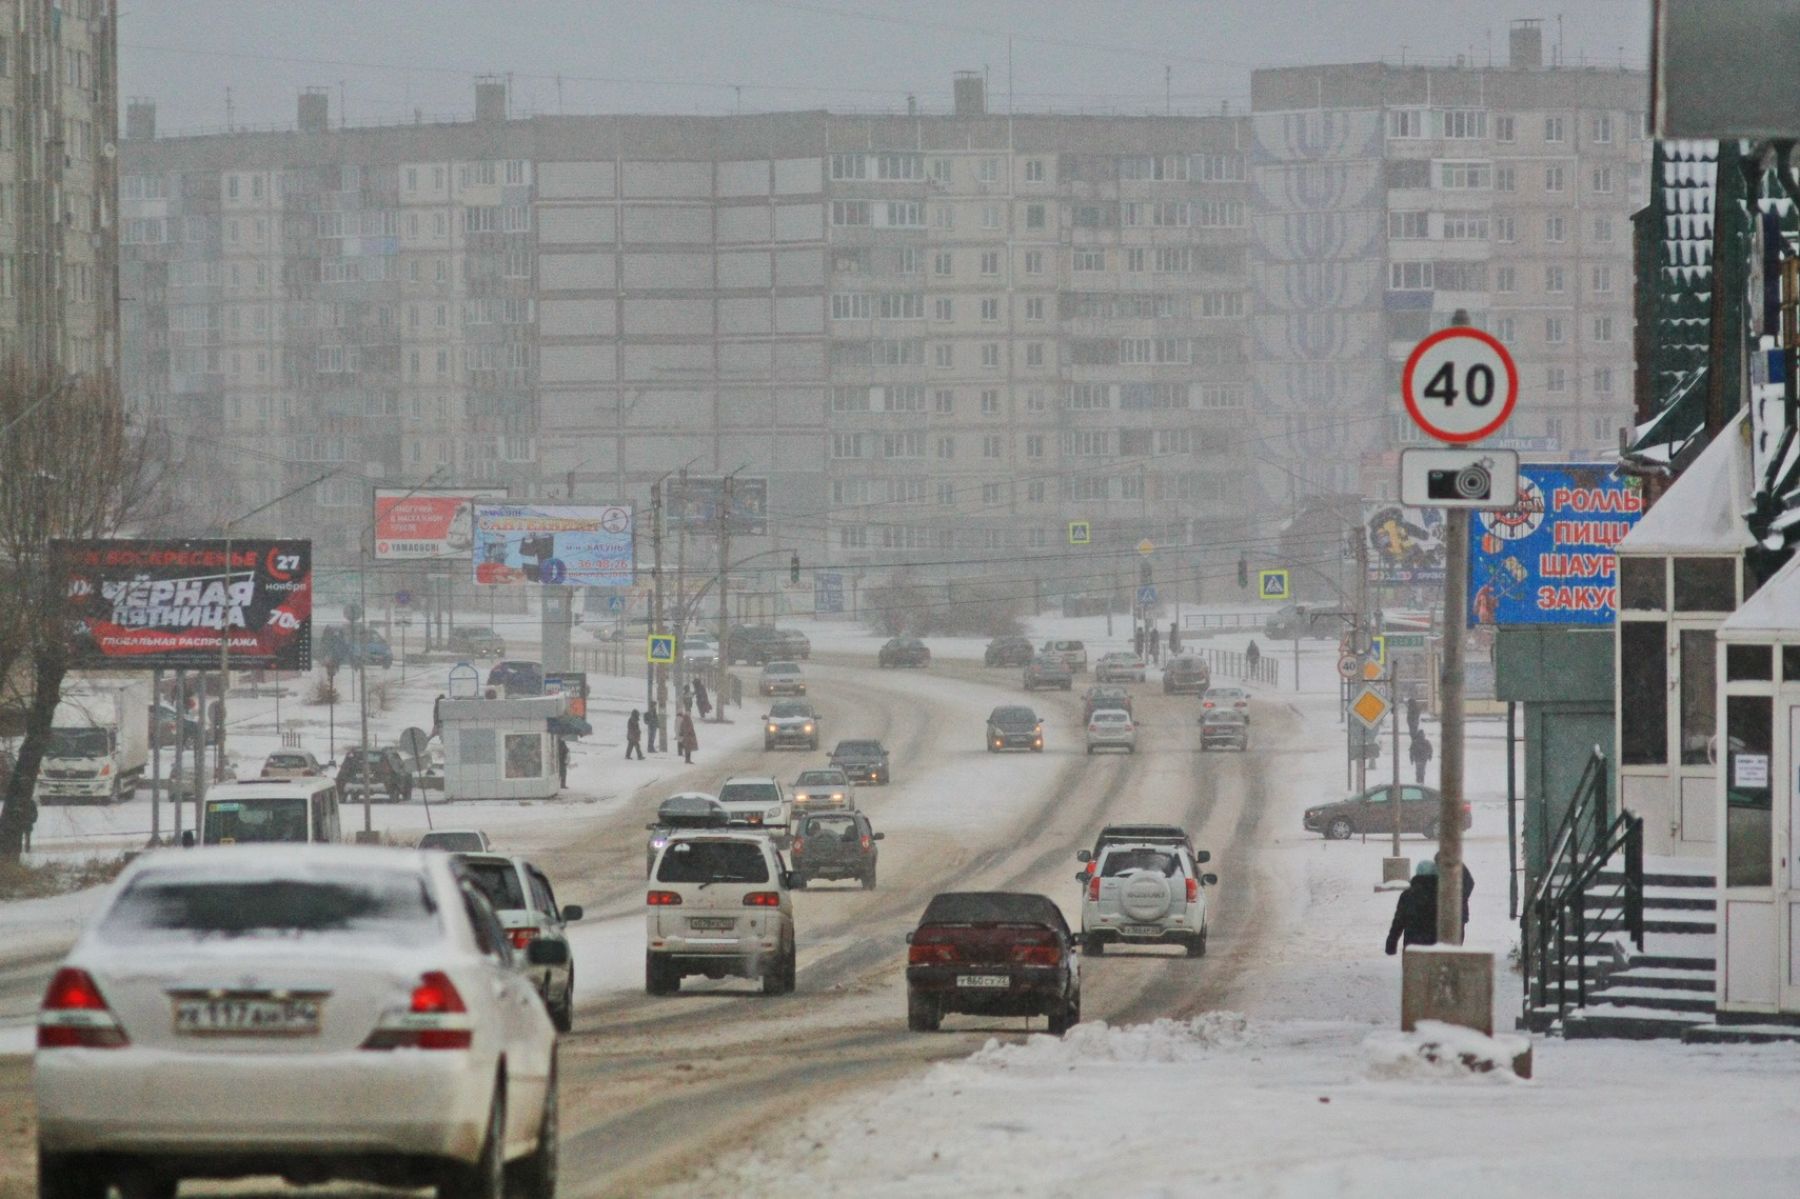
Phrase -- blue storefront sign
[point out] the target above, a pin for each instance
(1549, 559)
(828, 591)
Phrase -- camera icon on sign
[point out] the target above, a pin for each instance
(1472, 482)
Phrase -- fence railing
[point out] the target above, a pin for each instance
(1227, 664)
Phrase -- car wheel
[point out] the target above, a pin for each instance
(1339, 829)
(659, 979)
(922, 1012)
(534, 1177)
(1431, 831)
(779, 978)
(1090, 750)
(1094, 947)
(767, 745)
(885, 778)
(868, 880)
(1065, 1018)
(486, 1178)
(65, 1176)
(1196, 946)
(797, 881)
(563, 1014)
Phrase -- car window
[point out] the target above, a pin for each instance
(1123, 861)
(790, 707)
(713, 862)
(842, 827)
(1412, 795)
(391, 907)
(819, 778)
(542, 897)
(241, 821)
(749, 793)
(1376, 795)
(781, 668)
(871, 748)
(490, 938)
(499, 882)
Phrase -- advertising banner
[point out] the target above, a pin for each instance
(1549, 559)
(427, 523)
(828, 592)
(695, 503)
(165, 604)
(1406, 545)
(549, 544)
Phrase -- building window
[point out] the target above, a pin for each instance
(1409, 226)
(1034, 216)
(1603, 180)
(1556, 378)
(990, 216)
(1643, 671)
(990, 445)
(1034, 262)
(1556, 330)
(1555, 279)
(1698, 695)
(1034, 170)
(990, 401)
(1506, 229)
(941, 264)
(1086, 259)
(1137, 260)
(1603, 127)
(1503, 129)
(1034, 353)
(1748, 828)
(1505, 179)
(940, 169)
(1464, 124)
(1603, 328)
(846, 213)
(1553, 178)
(943, 308)
(1406, 123)
(1465, 176)
(946, 447)
(1465, 226)
(1705, 585)
(990, 355)
(1603, 380)
(943, 216)
(990, 262)
(1641, 584)
(912, 260)
(1034, 308)
(943, 356)
(990, 309)
(1506, 326)
(1556, 229)
(1553, 129)
(1409, 276)
(943, 401)
(1034, 445)
(1506, 279)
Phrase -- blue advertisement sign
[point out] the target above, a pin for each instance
(550, 544)
(828, 591)
(1549, 559)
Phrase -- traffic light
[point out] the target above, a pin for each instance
(794, 570)
(1243, 571)
(1144, 572)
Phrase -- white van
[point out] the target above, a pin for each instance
(261, 811)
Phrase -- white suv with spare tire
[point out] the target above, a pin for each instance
(718, 905)
(1144, 895)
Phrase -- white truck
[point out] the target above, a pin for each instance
(99, 742)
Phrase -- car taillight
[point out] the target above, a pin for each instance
(1193, 889)
(932, 947)
(763, 899)
(522, 937)
(1094, 887)
(1207, 704)
(74, 1015)
(434, 1018)
(798, 846)
(1037, 949)
(1467, 810)
(866, 842)
(663, 899)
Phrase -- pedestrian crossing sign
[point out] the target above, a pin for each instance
(1378, 650)
(1079, 532)
(1272, 584)
(661, 648)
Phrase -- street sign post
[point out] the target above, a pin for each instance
(1460, 384)
(1272, 584)
(1369, 708)
(1348, 665)
(1146, 597)
(660, 649)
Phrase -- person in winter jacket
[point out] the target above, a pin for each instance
(1415, 914)
(633, 748)
(1420, 753)
(685, 740)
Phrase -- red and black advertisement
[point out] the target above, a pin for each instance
(165, 604)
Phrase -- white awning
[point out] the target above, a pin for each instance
(1703, 512)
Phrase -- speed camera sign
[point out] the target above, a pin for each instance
(1460, 385)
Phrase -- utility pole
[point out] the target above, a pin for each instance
(724, 610)
(654, 679)
(681, 608)
(1360, 636)
(1450, 736)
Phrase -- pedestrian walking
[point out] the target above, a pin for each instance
(1155, 644)
(1415, 914)
(687, 697)
(1174, 639)
(562, 762)
(1252, 656)
(437, 717)
(701, 699)
(687, 742)
(1413, 713)
(1420, 753)
(631, 737)
(1137, 640)
(652, 726)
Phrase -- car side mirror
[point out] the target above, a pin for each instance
(1081, 876)
(546, 952)
(650, 828)
(1084, 855)
(1202, 857)
(909, 938)
(787, 879)
(571, 913)
(1211, 880)
(877, 836)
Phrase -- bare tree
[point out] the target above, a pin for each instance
(72, 467)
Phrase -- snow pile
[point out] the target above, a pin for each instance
(1160, 1041)
(1443, 1051)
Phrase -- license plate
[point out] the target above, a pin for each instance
(238, 1015)
(712, 924)
(1142, 930)
(993, 981)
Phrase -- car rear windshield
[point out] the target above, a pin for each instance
(499, 882)
(453, 842)
(242, 821)
(992, 907)
(749, 793)
(713, 862)
(790, 707)
(386, 906)
(842, 827)
(287, 760)
(1123, 861)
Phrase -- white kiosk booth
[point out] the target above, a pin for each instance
(500, 748)
(1758, 753)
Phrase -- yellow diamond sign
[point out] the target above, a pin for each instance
(1369, 707)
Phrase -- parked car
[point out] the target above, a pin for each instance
(1144, 895)
(337, 644)
(386, 775)
(456, 840)
(1186, 675)
(904, 651)
(683, 810)
(1296, 621)
(229, 992)
(1119, 668)
(1072, 652)
(757, 802)
(1233, 699)
(1111, 728)
(781, 678)
(524, 901)
(992, 953)
(719, 906)
(1014, 726)
(865, 760)
(1370, 813)
(791, 722)
(1048, 670)
(1008, 651)
(823, 787)
(1224, 728)
(1099, 696)
(291, 764)
(834, 845)
(517, 678)
(474, 642)
(166, 721)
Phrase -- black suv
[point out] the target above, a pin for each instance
(1008, 651)
(835, 845)
(904, 651)
(1012, 726)
(864, 761)
(476, 643)
(757, 644)
(387, 773)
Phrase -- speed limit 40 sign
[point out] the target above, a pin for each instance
(1460, 385)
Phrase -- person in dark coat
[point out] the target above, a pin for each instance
(701, 699)
(1174, 639)
(685, 740)
(652, 727)
(1155, 644)
(1420, 753)
(632, 737)
(1252, 656)
(1137, 640)
(562, 762)
(1415, 914)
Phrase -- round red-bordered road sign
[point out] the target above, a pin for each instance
(1460, 384)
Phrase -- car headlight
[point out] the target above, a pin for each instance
(807, 729)
(774, 729)
(837, 795)
(658, 842)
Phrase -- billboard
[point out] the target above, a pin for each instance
(165, 604)
(1549, 559)
(427, 522)
(695, 501)
(828, 591)
(1406, 545)
(551, 544)
(1724, 70)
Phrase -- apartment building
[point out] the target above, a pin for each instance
(58, 220)
(1388, 197)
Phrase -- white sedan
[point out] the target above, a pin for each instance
(313, 1012)
(1111, 728)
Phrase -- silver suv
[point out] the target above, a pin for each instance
(719, 905)
(1144, 894)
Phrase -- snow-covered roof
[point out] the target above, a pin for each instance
(1772, 614)
(1703, 511)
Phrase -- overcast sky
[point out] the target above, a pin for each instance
(392, 56)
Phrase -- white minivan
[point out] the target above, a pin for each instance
(259, 811)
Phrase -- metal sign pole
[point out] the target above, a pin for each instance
(1450, 747)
